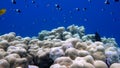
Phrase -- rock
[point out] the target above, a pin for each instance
(63, 61)
(21, 62)
(100, 64)
(56, 52)
(4, 63)
(72, 53)
(115, 65)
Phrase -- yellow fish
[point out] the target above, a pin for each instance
(2, 11)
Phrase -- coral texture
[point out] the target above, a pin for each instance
(59, 48)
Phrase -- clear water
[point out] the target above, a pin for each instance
(28, 17)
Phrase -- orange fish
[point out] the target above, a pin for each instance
(2, 11)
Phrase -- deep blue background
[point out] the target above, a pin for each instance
(43, 15)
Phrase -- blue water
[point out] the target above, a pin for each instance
(44, 15)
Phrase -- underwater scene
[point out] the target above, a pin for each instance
(59, 33)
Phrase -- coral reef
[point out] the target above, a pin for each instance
(59, 48)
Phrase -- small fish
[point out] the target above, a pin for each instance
(84, 9)
(107, 2)
(77, 9)
(33, 1)
(116, 0)
(2, 11)
(13, 1)
(97, 37)
(18, 10)
(58, 7)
